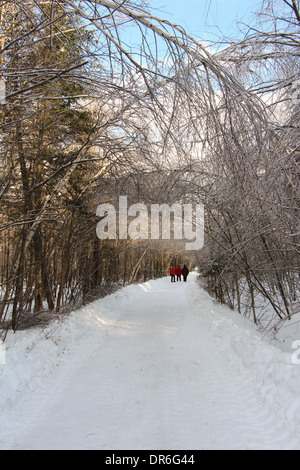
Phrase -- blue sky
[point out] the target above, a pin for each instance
(202, 18)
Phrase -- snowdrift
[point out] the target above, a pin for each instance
(39, 361)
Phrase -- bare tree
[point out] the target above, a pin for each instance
(253, 196)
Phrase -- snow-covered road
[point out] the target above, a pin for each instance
(154, 366)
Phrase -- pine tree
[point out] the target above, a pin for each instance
(43, 128)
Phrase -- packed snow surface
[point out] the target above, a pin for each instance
(153, 366)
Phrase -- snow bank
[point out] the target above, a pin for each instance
(33, 356)
(273, 372)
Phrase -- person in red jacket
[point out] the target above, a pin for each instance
(178, 273)
(173, 272)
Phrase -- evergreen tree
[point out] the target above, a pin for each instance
(43, 130)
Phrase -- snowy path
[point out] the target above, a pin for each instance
(147, 368)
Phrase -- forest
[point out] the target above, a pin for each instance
(102, 99)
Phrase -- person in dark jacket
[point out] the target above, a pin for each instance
(185, 272)
(178, 273)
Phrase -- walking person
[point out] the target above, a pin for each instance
(173, 273)
(185, 272)
(178, 273)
